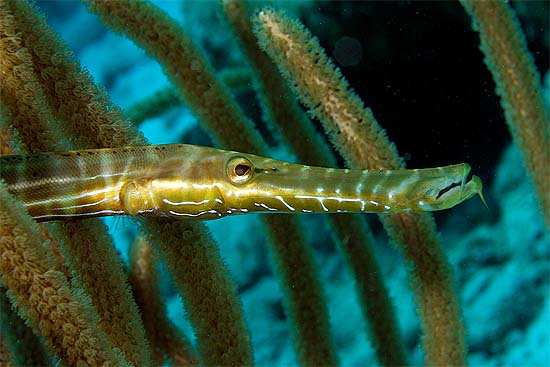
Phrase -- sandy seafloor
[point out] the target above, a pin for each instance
(500, 255)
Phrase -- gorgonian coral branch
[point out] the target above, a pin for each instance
(363, 143)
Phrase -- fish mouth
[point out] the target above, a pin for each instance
(448, 188)
(460, 187)
(459, 179)
(459, 191)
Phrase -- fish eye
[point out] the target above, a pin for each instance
(239, 170)
(242, 169)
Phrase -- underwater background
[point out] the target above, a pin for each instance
(419, 67)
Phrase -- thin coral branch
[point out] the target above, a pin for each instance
(21, 344)
(95, 122)
(166, 341)
(209, 292)
(83, 243)
(352, 234)
(364, 144)
(519, 87)
(185, 65)
(42, 294)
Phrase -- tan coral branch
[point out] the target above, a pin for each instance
(166, 341)
(43, 295)
(519, 87)
(354, 131)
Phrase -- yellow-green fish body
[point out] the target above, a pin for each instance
(191, 182)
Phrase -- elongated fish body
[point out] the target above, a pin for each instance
(191, 182)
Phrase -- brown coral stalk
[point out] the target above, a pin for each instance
(364, 144)
(184, 64)
(352, 234)
(94, 262)
(43, 296)
(95, 122)
(518, 85)
(166, 341)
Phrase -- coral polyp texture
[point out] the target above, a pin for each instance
(351, 85)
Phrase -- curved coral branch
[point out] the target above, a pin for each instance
(42, 294)
(363, 143)
(518, 85)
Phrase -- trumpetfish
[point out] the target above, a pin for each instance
(191, 182)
